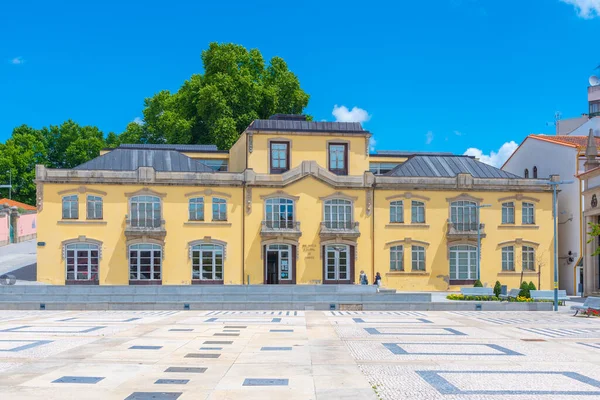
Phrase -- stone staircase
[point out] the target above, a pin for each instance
(209, 297)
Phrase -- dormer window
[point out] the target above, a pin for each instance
(338, 158)
(280, 157)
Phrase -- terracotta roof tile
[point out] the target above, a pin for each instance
(12, 203)
(579, 142)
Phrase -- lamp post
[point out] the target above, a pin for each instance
(478, 208)
(9, 184)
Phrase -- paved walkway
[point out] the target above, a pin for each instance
(15, 256)
(298, 355)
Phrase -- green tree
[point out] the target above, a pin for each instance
(524, 290)
(215, 107)
(70, 144)
(497, 289)
(531, 287)
(477, 283)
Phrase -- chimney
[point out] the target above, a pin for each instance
(591, 152)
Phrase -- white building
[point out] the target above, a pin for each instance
(563, 154)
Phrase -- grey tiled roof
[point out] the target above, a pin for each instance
(448, 166)
(123, 159)
(305, 126)
(176, 147)
(406, 153)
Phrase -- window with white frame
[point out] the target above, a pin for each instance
(207, 262)
(397, 211)
(508, 258)
(396, 258)
(463, 215)
(528, 214)
(508, 213)
(82, 261)
(145, 212)
(94, 207)
(70, 207)
(417, 212)
(219, 209)
(279, 213)
(338, 214)
(418, 258)
(528, 256)
(145, 261)
(463, 262)
(196, 209)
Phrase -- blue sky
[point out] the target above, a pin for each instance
(438, 75)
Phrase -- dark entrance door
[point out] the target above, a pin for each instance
(272, 267)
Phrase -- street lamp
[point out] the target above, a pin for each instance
(555, 215)
(9, 184)
(478, 207)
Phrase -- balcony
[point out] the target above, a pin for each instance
(289, 229)
(464, 230)
(151, 228)
(342, 229)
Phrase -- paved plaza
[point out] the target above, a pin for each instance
(298, 355)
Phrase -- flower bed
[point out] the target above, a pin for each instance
(520, 299)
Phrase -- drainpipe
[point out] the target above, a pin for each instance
(373, 235)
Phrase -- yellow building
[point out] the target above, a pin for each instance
(292, 202)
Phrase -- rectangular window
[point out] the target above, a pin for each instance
(378, 168)
(418, 258)
(207, 262)
(528, 214)
(338, 158)
(279, 157)
(218, 165)
(219, 209)
(528, 254)
(196, 209)
(397, 211)
(508, 213)
(70, 207)
(396, 258)
(417, 214)
(508, 258)
(94, 207)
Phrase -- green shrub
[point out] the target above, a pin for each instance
(477, 283)
(471, 297)
(524, 290)
(497, 289)
(531, 287)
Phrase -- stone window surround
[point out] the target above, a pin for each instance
(279, 194)
(81, 240)
(339, 196)
(518, 244)
(146, 192)
(406, 243)
(334, 241)
(144, 240)
(289, 151)
(208, 240)
(347, 155)
(82, 190)
(278, 240)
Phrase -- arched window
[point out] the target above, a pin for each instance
(207, 262)
(145, 212)
(463, 262)
(338, 214)
(279, 213)
(145, 261)
(534, 171)
(82, 261)
(463, 215)
(526, 174)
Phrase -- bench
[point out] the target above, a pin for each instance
(477, 291)
(514, 293)
(591, 303)
(549, 295)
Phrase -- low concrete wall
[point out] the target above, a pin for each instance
(26, 227)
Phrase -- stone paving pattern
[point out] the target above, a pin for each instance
(298, 355)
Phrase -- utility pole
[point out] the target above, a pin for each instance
(9, 186)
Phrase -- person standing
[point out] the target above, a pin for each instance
(363, 279)
(377, 280)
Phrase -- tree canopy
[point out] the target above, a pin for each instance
(237, 86)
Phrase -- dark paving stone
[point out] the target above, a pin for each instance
(211, 348)
(234, 327)
(231, 330)
(276, 320)
(202, 355)
(153, 396)
(218, 342)
(275, 348)
(265, 382)
(226, 334)
(79, 379)
(281, 330)
(180, 330)
(171, 381)
(145, 348)
(192, 370)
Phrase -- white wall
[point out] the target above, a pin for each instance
(584, 130)
(554, 159)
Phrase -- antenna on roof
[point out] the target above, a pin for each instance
(557, 116)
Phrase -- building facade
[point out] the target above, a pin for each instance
(292, 202)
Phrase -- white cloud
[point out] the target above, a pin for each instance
(138, 121)
(586, 9)
(17, 60)
(496, 159)
(342, 114)
(428, 137)
(458, 133)
(372, 143)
